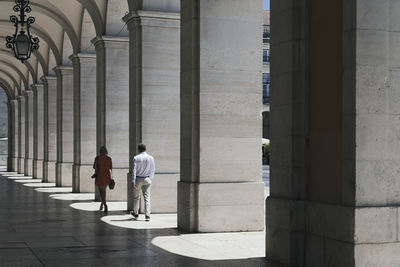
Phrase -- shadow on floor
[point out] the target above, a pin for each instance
(39, 230)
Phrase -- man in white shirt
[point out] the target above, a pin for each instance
(142, 177)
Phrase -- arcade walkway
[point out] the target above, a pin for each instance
(36, 230)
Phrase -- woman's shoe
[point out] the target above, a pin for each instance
(105, 208)
(101, 206)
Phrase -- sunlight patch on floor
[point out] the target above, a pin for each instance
(55, 189)
(40, 184)
(73, 196)
(28, 180)
(215, 246)
(14, 174)
(94, 206)
(18, 177)
(158, 221)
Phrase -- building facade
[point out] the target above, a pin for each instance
(162, 73)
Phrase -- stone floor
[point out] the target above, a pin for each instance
(42, 225)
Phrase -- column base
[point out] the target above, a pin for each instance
(220, 207)
(14, 164)
(21, 165)
(119, 192)
(38, 169)
(164, 193)
(49, 172)
(63, 174)
(321, 234)
(26, 167)
(82, 181)
(30, 167)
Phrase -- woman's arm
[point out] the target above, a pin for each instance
(95, 163)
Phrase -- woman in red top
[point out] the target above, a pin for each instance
(103, 166)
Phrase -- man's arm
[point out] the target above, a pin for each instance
(134, 173)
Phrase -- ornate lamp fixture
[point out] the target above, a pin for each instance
(22, 43)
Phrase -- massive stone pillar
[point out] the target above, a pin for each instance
(65, 88)
(154, 99)
(28, 132)
(220, 187)
(50, 128)
(21, 134)
(38, 146)
(334, 134)
(15, 133)
(11, 135)
(84, 66)
(113, 106)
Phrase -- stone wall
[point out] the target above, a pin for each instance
(3, 128)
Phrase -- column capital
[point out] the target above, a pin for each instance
(76, 58)
(37, 86)
(152, 18)
(103, 41)
(20, 98)
(63, 70)
(13, 101)
(132, 19)
(28, 93)
(46, 79)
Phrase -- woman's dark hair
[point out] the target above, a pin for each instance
(103, 151)
(142, 148)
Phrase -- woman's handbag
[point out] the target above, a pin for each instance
(112, 184)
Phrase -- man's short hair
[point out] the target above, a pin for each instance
(142, 147)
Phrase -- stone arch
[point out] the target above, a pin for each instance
(10, 76)
(28, 64)
(23, 78)
(173, 6)
(88, 32)
(115, 26)
(52, 63)
(95, 14)
(67, 50)
(42, 62)
(53, 12)
(7, 89)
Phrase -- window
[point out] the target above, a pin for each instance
(266, 33)
(266, 56)
(266, 87)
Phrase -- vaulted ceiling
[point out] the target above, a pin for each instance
(64, 27)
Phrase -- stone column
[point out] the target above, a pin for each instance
(21, 134)
(113, 106)
(50, 128)
(154, 100)
(38, 154)
(334, 134)
(84, 66)
(220, 187)
(11, 135)
(29, 133)
(15, 136)
(64, 125)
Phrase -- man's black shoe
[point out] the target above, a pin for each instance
(147, 218)
(135, 216)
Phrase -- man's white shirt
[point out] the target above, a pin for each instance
(143, 166)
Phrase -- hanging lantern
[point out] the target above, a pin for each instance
(22, 43)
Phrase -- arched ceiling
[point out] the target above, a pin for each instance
(60, 26)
